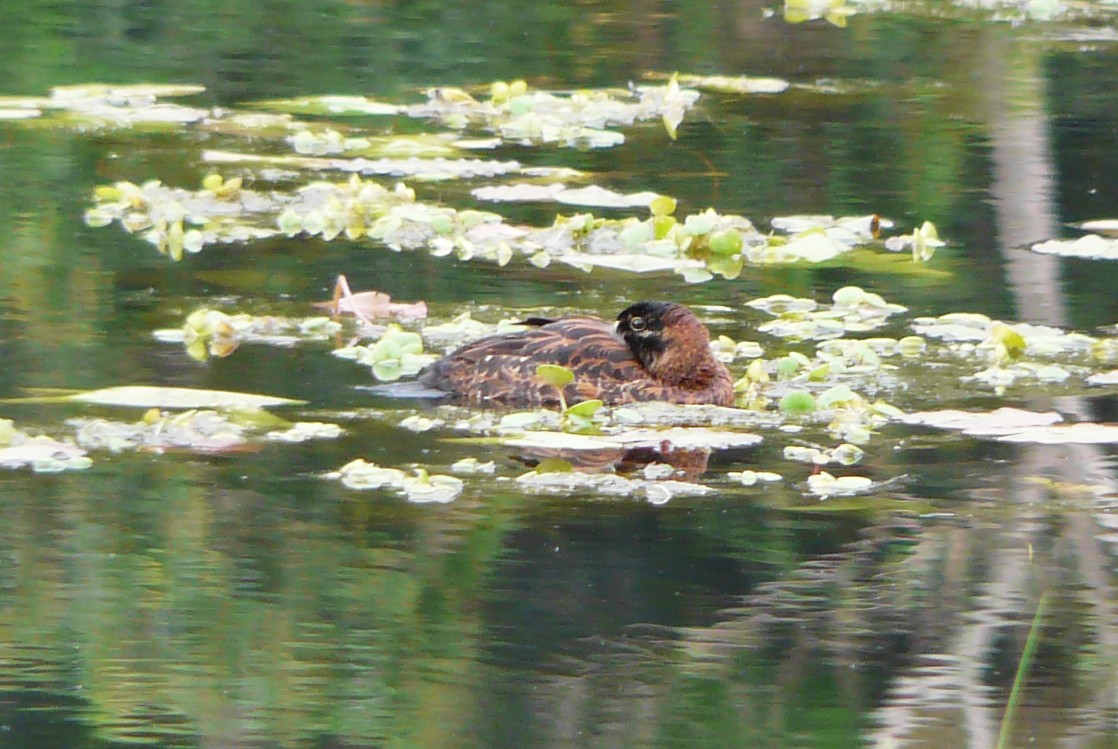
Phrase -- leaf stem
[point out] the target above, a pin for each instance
(1022, 670)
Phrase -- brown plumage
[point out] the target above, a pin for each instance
(656, 351)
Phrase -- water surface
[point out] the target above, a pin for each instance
(241, 600)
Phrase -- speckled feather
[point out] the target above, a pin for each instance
(670, 361)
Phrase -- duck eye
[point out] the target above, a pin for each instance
(636, 324)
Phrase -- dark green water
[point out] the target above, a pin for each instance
(239, 600)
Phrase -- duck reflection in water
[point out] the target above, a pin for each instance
(656, 351)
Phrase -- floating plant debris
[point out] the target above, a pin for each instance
(210, 332)
(396, 353)
(195, 431)
(854, 310)
(42, 454)
(698, 247)
(419, 487)
(655, 491)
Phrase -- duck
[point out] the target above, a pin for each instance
(655, 351)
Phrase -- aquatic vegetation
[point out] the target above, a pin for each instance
(529, 117)
(210, 332)
(738, 84)
(656, 491)
(835, 12)
(680, 438)
(1012, 351)
(698, 247)
(195, 431)
(1091, 246)
(854, 310)
(419, 487)
(156, 396)
(923, 242)
(426, 169)
(469, 466)
(831, 392)
(752, 478)
(42, 454)
(844, 454)
(1015, 425)
(121, 106)
(396, 353)
(591, 196)
(826, 485)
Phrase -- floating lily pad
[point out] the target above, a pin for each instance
(825, 485)
(396, 353)
(854, 310)
(530, 117)
(418, 487)
(1102, 226)
(835, 12)
(738, 84)
(42, 454)
(193, 430)
(151, 396)
(430, 169)
(682, 438)
(1002, 420)
(330, 105)
(923, 242)
(1090, 246)
(592, 196)
(127, 106)
(750, 477)
(608, 484)
(209, 332)
(303, 431)
(1104, 378)
(1065, 434)
(473, 466)
(844, 454)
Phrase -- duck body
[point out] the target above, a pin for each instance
(655, 351)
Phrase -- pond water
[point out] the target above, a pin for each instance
(223, 591)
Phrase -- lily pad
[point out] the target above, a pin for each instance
(1002, 420)
(418, 487)
(825, 485)
(1090, 246)
(42, 454)
(592, 196)
(608, 484)
(151, 396)
(682, 438)
(531, 117)
(424, 169)
(738, 84)
(330, 105)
